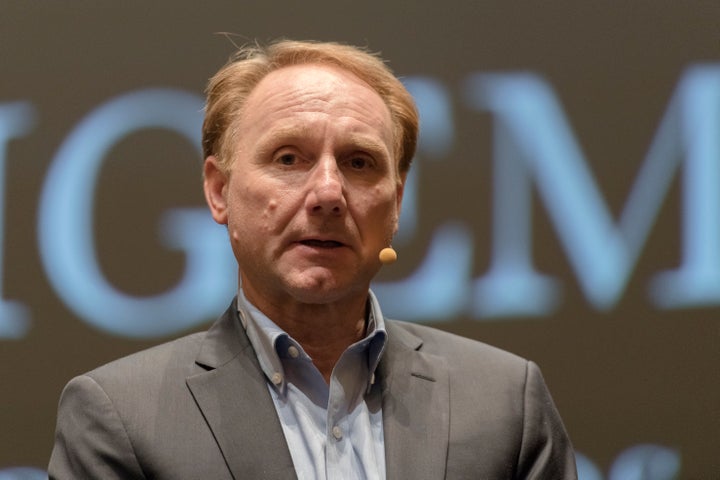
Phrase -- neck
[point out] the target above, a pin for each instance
(325, 331)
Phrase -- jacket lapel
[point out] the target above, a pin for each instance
(233, 397)
(415, 408)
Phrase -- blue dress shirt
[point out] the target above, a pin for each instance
(335, 430)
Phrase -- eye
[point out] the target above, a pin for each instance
(287, 159)
(359, 163)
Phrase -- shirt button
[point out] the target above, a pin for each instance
(277, 378)
(293, 351)
(337, 432)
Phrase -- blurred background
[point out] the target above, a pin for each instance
(564, 203)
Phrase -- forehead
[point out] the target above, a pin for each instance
(310, 91)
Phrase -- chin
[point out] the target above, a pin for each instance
(313, 289)
(315, 296)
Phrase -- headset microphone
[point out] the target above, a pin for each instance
(387, 255)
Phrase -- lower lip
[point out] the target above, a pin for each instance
(318, 249)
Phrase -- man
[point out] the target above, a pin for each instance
(307, 148)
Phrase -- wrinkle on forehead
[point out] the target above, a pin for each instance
(304, 91)
(319, 91)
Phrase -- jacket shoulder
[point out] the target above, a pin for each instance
(146, 368)
(452, 346)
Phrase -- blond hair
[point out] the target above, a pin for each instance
(229, 88)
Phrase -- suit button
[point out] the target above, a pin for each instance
(293, 351)
(337, 432)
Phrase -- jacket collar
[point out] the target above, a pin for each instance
(233, 397)
(416, 407)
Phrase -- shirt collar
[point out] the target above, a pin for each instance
(267, 337)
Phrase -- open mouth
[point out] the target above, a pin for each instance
(321, 243)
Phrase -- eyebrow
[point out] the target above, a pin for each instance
(267, 142)
(362, 142)
(302, 133)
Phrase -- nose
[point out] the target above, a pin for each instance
(326, 193)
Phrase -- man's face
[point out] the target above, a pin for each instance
(313, 193)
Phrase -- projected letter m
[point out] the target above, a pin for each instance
(533, 141)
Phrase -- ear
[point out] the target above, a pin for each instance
(400, 189)
(214, 184)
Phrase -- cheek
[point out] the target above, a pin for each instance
(242, 202)
(379, 208)
(258, 211)
(268, 215)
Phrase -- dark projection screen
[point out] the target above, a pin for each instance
(564, 203)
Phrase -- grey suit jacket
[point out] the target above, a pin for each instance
(199, 408)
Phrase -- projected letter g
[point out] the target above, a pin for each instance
(66, 234)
